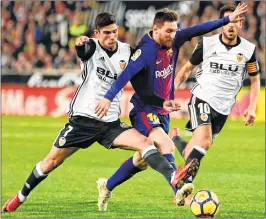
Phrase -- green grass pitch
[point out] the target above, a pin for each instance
(234, 169)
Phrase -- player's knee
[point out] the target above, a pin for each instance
(145, 142)
(166, 147)
(139, 162)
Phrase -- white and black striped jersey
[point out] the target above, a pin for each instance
(222, 71)
(100, 69)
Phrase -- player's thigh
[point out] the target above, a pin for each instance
(200, 121)
(162, 141)
(131, 139)
(144, 122)
(79, 132)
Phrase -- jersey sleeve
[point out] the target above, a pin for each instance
(86, 51)
(197, 55)
(137, 62)
(252, 65)
(188, 33)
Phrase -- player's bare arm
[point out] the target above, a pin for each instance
(250, 112)
(183, 74)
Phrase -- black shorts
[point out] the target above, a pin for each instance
(201, 113)
(81, 132)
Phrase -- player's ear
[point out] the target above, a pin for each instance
(155, 29)
(96, 32)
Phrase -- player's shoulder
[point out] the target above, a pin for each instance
(246, 44)
(211, 38)
(125, 47)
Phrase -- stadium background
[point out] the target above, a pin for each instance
(40, 72)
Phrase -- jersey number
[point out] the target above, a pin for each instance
(69, 129)
(153, 118)
(204, 108)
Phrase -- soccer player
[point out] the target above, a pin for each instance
(102, 59)
(225, 59)
(151, 68)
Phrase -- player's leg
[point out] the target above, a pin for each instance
(39, 173)
(129, 168)
(69, 140)
(133, 140)
(145, 124)
(164, 144)
(179, 142)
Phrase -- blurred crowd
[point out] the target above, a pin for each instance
(41, 34)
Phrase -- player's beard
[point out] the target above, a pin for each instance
(167, 43)
(231, 38)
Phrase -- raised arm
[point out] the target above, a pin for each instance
(187, 34)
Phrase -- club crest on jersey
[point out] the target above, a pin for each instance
(204, 117)
(170, 52)
(122, 64)
(62, 141)
(239, 57)
(136, 55)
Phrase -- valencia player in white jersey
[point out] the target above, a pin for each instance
(225, 59)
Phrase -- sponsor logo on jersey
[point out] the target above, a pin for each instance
(165, 72)
(136, 54)
(170, 52)
(62, 141)
(221, 68)
(239, 57)
(204, 117)
(105, 75)
(122, 64)
(158, 62)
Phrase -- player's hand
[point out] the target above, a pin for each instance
(250, 116)
(171, 105)
(82, 40)
(237, 15)
(102, 107)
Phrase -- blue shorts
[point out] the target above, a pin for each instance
(144, 122)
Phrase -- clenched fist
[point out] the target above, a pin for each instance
(82, 40)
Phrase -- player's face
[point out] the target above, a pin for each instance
(167, 33)
(230, 30)
(107, 36)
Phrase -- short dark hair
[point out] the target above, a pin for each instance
(165, 15)
(104, 19)
(226, 8)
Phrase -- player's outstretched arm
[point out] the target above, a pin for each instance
(187, 34)
(183, 73)
(250, 112)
